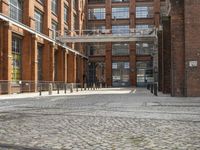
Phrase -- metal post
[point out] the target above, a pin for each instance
(93, 86)
(155, 89)
(65, 86)
(101, 86)
(85, 86)
(152, 88)
(40, 90)
(50, 88)
(76, 87)
(58, 88)
(71, 88)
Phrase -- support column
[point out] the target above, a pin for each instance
(108, 62)
(61, 65)
(157, 13)
(71, 68)
(47, 18)
(108, 52)
(133, 70)
(48, 62)
(177, 48)
(26, 56)
(132, 46)
(66, 66)
(7, 56)
(4, 7)
(166, 55)
(160, 61)
(28, 15)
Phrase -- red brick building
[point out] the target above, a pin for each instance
(28, 48)
(26, 55)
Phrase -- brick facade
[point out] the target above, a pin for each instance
(58, 64)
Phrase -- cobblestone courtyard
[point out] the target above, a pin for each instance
(113, 119)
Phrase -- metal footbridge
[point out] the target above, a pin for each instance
(109, 35)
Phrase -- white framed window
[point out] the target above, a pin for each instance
(54, 6)
(16, 9)
(38, 21)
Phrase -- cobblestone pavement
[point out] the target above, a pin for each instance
(126, 121)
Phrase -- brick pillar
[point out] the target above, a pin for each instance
(1, 52)
(160, 61)
(48, 62)
(108, 52)
(166, 80)
(177, 48)
(108, 63)
(66, 67)
(157, 13)
(71, 68)
(26, 56)
(28, 14)
(61, 16)
(61, 65)
(132, 45)
(4, 7)
(7, 55)
(47, 18)
(192, 47)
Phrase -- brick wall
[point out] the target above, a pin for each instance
(177, 48)
(192, 46)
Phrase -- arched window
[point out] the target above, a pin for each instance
(16, 9)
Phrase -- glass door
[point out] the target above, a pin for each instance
(120, 74)
(144, 73)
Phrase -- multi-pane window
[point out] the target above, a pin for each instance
(144, 12)
(65, 13)
(75, 22)
(144, 72)
(144, 48)
(120, 49)
(144, 26)
(96, 49)
(96, 13)
(54, 6)
(54, 27)
(120, 29)
(16, 10)
(39, 57)
(120, 12)
(38, 21)
(16, 58)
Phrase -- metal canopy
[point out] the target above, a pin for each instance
(108, 35)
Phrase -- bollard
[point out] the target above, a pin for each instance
(148, 86)
(101, 86)
(71, 88)
(93, 86)
(76, 88)
(65, 88)
(151, 88)
(85, 86)
(155, 89)
(58, 89)
(50, 88)
(40, 90)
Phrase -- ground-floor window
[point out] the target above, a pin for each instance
(120, 74)
(144, 73)
(16, 58)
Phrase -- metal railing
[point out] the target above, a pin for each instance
(109, 35)
(16, 87)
